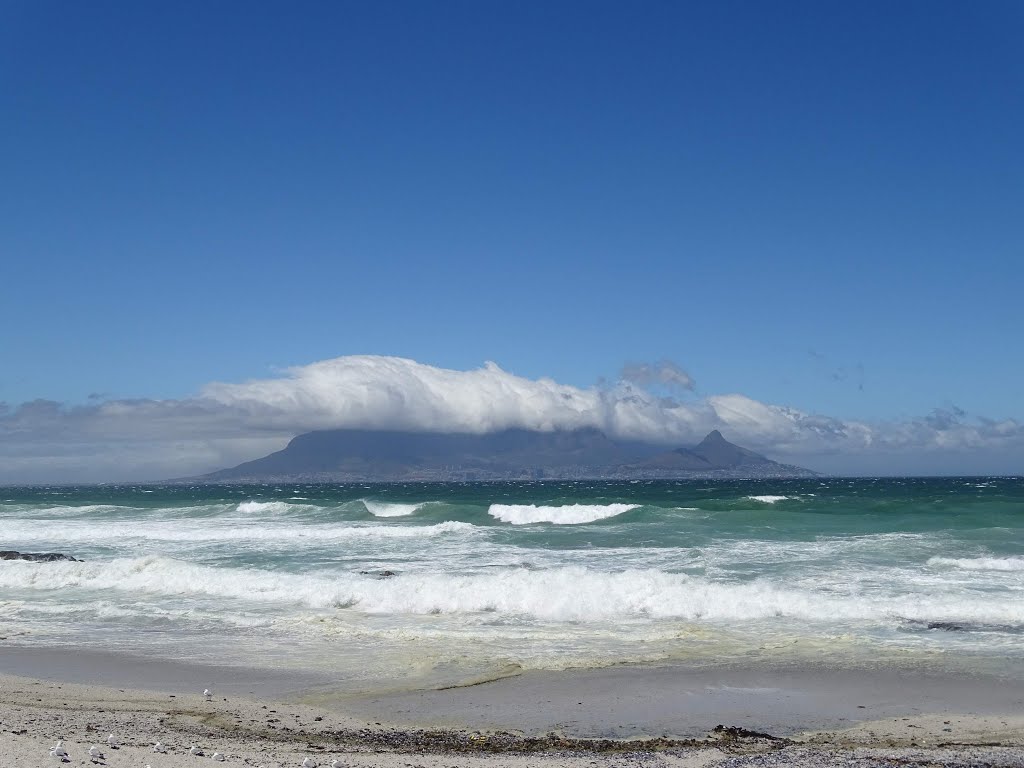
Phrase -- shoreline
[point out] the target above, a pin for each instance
(941, 720)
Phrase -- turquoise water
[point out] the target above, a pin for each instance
(425, 583)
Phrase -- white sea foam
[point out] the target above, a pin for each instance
(73, 510)
(980, 563)
(389, 509)
(570, 514)
(768, 499)
(216, 531)
(567, 594)
(268, 507)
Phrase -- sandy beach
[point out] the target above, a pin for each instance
(638, 716)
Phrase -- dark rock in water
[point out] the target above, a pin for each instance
(947, 626)
(378, 574)
(952, 626)
(36, 557)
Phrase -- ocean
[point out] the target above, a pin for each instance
(406, 585)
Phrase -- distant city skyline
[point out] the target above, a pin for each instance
(811, 208)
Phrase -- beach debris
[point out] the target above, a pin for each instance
(308, 763)
(218, 757)
(159, 747)
(111, 741)
(732, 732)
(208, 694)
(195, 750)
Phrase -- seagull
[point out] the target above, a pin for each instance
(308, 763)
(208, 694)
(62, 756)
(111, 741)
(218, 757)
(94, 752)
(158, 747)
(335, 764)
(195, 750)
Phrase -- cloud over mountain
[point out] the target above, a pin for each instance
(229, 422)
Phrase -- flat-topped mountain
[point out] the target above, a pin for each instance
(340, 455)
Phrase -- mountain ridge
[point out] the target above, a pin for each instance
(348, 455)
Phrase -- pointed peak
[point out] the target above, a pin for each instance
(714, 436)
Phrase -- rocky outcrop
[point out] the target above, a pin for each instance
(36, 557)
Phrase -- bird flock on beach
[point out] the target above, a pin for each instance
(96, 754)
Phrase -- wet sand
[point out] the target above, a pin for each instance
(638, 716)
(680, 702)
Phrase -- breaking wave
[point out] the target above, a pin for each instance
(267, 507)
(390, 509)
(177, 531)
(570, 514)
(563, 594)
(768, 499)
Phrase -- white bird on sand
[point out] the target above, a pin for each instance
(308, 763)
(335, 764)
(159, 747)
(111, 741)
(58, 750)
(94, 751)
(218, 757)
(57, 755)
(207, 694)
(195, 750)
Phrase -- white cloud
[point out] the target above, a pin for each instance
(664, 373)
(228, 423)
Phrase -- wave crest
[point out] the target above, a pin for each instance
(570, 514)
(564, 594)
(266, 507)
(236, 532)
(390, 509)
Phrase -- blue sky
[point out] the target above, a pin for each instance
(814, 204)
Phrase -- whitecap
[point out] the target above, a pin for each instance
(569, 514)
(266, 507)
(768, 499)
(218, 531)
(561, 594)
(389, 509)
